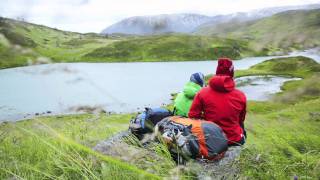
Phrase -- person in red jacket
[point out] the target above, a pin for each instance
(222, 104)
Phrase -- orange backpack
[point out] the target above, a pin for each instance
(207, 139)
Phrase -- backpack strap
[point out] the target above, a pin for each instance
(174, 111)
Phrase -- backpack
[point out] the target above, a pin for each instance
(145, 122)
(194, 138)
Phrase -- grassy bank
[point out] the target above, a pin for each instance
(283, 138)
(293, 66)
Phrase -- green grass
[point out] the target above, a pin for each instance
(283, 141)
(60, 148)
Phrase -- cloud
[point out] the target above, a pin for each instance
(95, 15)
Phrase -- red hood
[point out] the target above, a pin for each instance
(222, 83)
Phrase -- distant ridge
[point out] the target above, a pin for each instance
(188, 23)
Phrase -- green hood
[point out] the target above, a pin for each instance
(184, 99)
(191, 89)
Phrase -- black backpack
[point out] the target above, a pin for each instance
(145, 122)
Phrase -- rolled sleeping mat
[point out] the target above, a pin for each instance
(144, 122)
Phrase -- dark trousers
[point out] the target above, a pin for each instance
(239, 143)
(243, 139)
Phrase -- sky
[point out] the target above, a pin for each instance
(95, 15)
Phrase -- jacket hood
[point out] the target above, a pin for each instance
(191, 89)
(222, 83)
(225, 67)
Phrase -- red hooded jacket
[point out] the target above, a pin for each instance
(222, 104)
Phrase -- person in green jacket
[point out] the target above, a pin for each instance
(184, 99)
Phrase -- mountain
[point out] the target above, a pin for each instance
(299, 29)
(146, 25)
(188, 23)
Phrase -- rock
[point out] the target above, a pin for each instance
(144, 158)
(226, 168)
(314, 116)
(103, 146)
(258, 157)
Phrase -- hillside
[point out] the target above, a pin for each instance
(33, 43)
(172, 47)
(298, 29)
(283, 139)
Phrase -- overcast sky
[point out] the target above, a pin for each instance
(95, 15)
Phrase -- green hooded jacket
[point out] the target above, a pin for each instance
(183, 101)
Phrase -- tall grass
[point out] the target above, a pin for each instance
(48, 154)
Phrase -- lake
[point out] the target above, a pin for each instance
(115, 87)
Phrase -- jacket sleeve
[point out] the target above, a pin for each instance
(196, 108)
(243, 117)
(243, 113)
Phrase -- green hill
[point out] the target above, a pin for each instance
(62, 46)
(298, 29)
